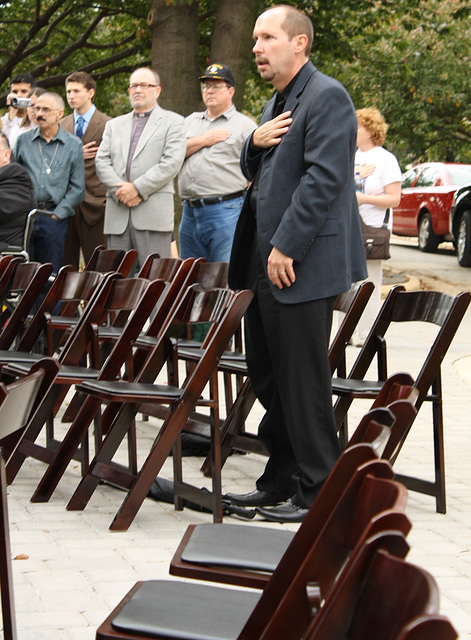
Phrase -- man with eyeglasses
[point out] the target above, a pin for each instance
(211, 183)
(54, 160)
(140, 155)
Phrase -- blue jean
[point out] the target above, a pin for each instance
(208, 232)
(47, 241)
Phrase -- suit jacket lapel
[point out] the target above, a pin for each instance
(125, 135)
(299, 85)
(92, 128)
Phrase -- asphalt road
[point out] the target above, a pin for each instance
(439, 270)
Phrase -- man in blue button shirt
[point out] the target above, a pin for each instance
(54, 160)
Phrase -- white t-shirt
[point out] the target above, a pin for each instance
(386, 172)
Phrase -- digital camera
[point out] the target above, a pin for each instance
(20, 103)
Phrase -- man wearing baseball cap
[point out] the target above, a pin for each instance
(211, 183)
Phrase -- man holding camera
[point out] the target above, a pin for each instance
(20, 86)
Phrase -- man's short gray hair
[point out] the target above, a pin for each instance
(58, 100)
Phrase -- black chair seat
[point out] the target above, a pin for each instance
(66, 371)
(363, 388)
(109, 332)
(230, 545)
(155, 609)
(133, 390)
(64, 321)
(20, 356)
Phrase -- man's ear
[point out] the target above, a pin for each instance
(300, 42)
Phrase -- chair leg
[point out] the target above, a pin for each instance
(233, 424)
(6, 573)
(437, 487)
(31, 432)
(438, 445)
(66, 451)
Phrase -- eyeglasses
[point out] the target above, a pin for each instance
(143, 85)
(213, 85)
(43, 109)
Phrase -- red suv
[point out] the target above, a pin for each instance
(427, 193)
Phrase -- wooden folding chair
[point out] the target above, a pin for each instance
(117, 293)
(431, 627)
(55, 314)
(18, 295)
(372, 507)
(112, 260)
(224, 309)
(17, 401)
(233, 433)
(433, 307)
(246, 556)
(376, 598)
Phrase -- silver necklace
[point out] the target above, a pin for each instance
(48, 166)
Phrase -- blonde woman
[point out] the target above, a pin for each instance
(381, 190)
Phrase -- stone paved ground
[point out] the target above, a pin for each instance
(77, 570)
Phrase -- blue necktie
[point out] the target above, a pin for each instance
(79, 127)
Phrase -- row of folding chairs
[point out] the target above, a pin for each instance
(95, 384)
(359, 505)
(342, 575)
(175, 304)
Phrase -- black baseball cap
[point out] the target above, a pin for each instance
(218, 72)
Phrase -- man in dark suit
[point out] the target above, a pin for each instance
(16, 198)
(297, 245)
(85, 228)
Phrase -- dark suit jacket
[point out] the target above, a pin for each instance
(16, 201)
(93, 207)
(307, 206)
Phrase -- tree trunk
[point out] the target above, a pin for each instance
(175, 53)
(232, 40)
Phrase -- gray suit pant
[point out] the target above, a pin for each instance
(145, 242)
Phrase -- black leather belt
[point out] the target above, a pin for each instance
(203, 202)
(46, 205)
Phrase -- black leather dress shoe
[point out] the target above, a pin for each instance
(287, 512)
(254, 499)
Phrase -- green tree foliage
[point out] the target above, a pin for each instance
(51, 38)
(410, 58)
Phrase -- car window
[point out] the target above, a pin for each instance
(428, 177)
(409, 177)
(460, 175)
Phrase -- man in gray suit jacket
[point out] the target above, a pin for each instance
(297, 245)
(140, 155)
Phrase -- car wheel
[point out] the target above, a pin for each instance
(463, 246)
(428, 241)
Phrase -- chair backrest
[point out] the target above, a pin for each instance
(116, 294)
(112, 260)
(412, 306)
(157, 268)
(431, 627)
(196, 305)
(19, 296)
(377, 598)
(68, 290)
(17, 401)
(393, 413)
(284, 606)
